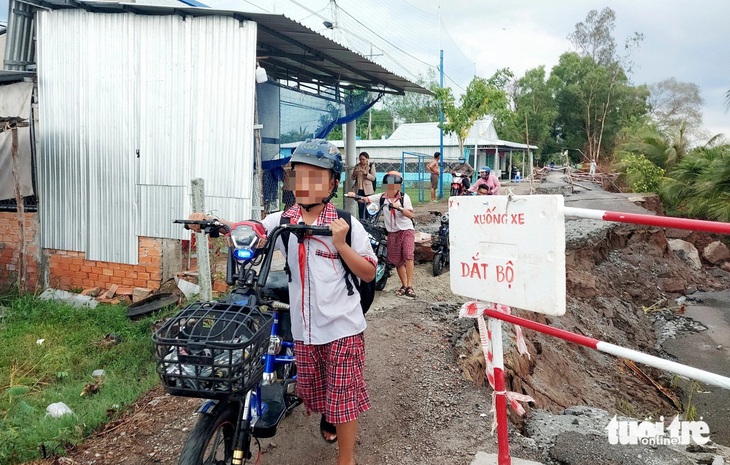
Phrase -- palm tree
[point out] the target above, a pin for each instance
(699, 185)
(664, 150)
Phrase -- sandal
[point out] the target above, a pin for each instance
(410, 292)
(327, 427)
(401, 291)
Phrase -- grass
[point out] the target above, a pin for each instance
(34, 375)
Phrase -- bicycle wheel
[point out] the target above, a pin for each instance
(211, 440)
(438, 263)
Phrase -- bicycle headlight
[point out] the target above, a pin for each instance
(243, 254)
(246, 237)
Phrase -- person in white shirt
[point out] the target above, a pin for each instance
(327, 322)
(398, 218)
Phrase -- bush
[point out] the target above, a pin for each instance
(638, 173)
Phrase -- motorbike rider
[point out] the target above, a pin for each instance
(466, 170)
(327, 323)
(488, 179)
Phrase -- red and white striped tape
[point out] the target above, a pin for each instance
(476, 310)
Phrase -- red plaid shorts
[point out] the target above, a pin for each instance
(330, 378)
(401, 246)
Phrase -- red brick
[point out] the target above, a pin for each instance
(107, 272)
(118, 273)
(144, 276)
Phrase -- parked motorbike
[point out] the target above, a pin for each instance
(237, 353)
(379, 242)
(440, 246)
(457, 184)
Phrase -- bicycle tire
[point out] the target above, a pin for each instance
(196, 445)
(438, 263)
(454, 192)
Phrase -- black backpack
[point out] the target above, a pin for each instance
(375, 181)
(366, 289)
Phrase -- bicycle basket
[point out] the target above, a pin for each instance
(212, 350)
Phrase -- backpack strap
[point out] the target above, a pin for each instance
(285, 239)
(347, 216)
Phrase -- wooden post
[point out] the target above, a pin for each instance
(201, 240)
(13, 125)
(257, 195)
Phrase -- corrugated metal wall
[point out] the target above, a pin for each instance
(19, 46)
(133, 108)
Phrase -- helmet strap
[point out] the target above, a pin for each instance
(325, 200)
(308, 206)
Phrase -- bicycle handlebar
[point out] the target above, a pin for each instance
(299, 230)
(210, 227)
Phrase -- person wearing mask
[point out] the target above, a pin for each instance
(486, 178)
(327, 322)
(397, 216)
(363, 176)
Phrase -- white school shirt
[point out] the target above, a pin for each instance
(321, 311)
(401, 222)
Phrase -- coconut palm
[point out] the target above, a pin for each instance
(699, 185)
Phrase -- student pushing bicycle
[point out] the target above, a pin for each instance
(326, 316)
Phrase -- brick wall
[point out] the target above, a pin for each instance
(10, 250)
(69, 270)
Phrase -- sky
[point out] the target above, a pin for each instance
(687, 41)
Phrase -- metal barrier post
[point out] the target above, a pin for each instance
(500, 402)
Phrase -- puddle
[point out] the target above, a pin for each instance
(708, 350)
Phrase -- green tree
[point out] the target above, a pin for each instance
(593, 103)
(699, 186)
(375, 124)
(414, 107)
(591, 87)
(480, 98)
(663, 148)
(534, 112)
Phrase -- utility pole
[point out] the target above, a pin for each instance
(441, 128)
(370, 121)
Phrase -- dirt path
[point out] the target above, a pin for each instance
(423, 411)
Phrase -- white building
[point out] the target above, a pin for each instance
(420, 140)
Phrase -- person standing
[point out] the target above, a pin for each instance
(326, 320)
(433, 169)
(363, 175)
(397, 216)
(592, 170)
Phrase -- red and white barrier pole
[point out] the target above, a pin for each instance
(650, 220)
(618, 351)
(500, 401)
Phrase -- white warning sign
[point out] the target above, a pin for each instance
(509, 250)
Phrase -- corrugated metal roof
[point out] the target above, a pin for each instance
(288, 50)
(426, 135)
